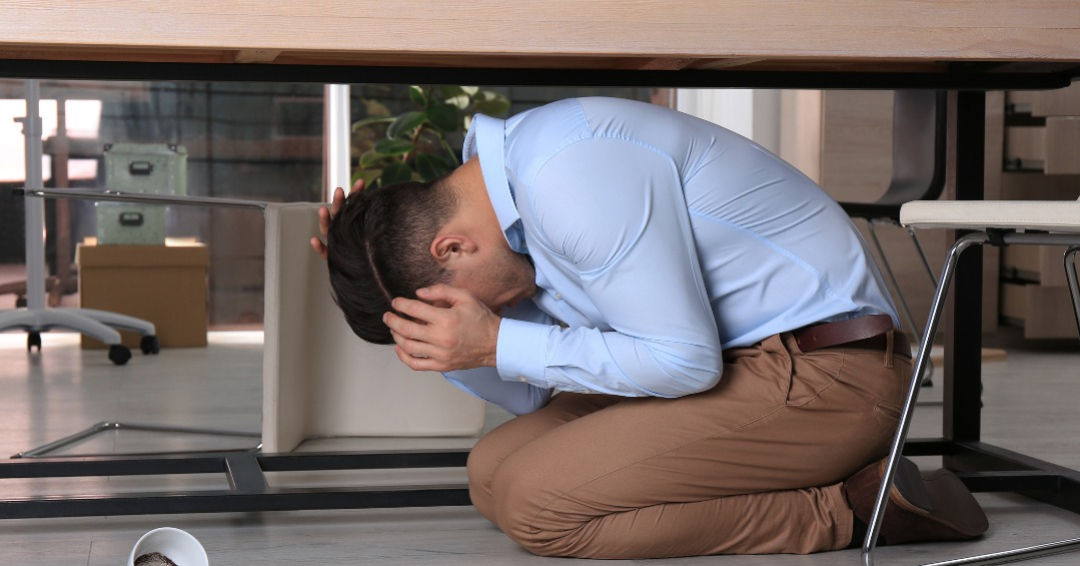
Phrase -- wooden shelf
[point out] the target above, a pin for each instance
(1034, 292)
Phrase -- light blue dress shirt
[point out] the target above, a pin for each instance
(658, 240)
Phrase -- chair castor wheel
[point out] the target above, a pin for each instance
(119, 354)
(150, 345)
(33, 339)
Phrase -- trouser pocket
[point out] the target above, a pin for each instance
(887, 415)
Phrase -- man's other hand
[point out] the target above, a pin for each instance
(449, 330)
(328, 214)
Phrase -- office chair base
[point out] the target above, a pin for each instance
(104, 426)
(101, 325)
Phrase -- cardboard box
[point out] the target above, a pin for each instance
(165, 285)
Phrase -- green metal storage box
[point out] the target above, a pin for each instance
(139, 168)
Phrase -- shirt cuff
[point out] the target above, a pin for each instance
(521, 353)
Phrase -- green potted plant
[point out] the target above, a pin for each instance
(414, 145)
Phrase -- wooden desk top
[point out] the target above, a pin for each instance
(840, 35)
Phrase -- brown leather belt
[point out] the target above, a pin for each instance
(865, 332)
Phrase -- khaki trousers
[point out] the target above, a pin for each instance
(752, 466)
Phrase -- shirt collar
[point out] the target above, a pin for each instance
(487, 139)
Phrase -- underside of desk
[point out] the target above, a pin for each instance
(983, 467)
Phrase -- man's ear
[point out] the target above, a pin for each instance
(450, 249)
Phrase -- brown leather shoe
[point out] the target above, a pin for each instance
(928, 506)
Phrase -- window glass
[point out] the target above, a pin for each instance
(260, 141)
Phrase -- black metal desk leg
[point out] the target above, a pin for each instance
(963, 315)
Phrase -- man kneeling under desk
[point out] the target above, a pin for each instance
(729, 360)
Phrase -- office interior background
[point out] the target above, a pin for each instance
(264, 141)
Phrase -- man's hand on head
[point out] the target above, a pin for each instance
(449, 330)
(328, 214)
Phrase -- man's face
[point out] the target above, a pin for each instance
(501, 280)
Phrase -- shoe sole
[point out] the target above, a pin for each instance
(908, 490)
(939, 496)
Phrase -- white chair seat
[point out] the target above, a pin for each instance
(1052, 216)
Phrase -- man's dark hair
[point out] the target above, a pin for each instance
(378, 248)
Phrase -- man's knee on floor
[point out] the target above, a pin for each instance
(563, 544)
(533, 513)
(482, 462)
(543, 534)
(484, 457)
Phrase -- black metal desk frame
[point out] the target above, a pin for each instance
(982, 466)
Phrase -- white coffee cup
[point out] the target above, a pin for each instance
(178, 546)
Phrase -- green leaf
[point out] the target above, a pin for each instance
(370, 159)
(492, 103)
(450, 91)
(396, 173)
(371, 177)
(456, 96)
(416, 94)
(375, 108)
(444, 117)
(405, 124)
(431, 166)
(368, 122)
(460, 101)
(391, 147)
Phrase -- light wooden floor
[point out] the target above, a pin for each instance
(1030, 407)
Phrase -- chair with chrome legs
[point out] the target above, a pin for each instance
(1000, 223)
(36, 317)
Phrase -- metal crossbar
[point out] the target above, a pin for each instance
(246, 474)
